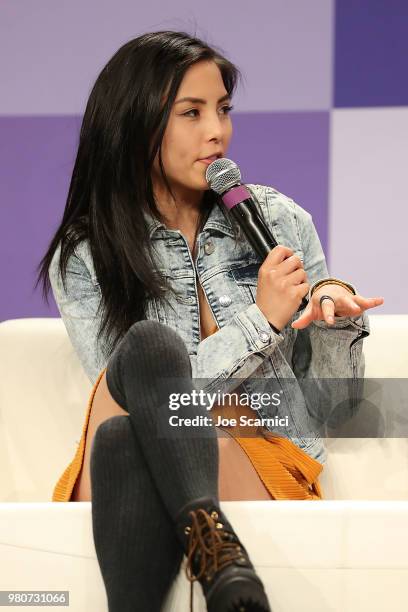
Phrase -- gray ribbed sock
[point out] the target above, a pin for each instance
(135, 541)
(149, 363)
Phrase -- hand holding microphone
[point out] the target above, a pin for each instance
(282, 285)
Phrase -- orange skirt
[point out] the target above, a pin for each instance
(66, 482)
(286, 471)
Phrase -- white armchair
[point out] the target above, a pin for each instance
(344, 554)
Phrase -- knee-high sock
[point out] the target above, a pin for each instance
(134, 536)
(150, 363)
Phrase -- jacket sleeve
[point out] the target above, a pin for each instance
(78, 306)
(241, 346)
(331, 355)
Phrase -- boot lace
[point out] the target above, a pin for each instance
(214, 546)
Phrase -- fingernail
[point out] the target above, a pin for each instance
(330, 319)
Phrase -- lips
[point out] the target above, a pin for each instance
(213, 156)
(209, 160)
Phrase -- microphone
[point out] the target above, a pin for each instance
(224, 177)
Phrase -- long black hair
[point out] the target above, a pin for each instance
(121, 133)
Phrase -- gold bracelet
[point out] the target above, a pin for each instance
(331, 281)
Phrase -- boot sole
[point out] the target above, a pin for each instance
(239, 594)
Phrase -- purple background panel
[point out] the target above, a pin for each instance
(36, 161)
(288, 151)
(369, 202)
(52, 52)
(371, 53)
(302, 57)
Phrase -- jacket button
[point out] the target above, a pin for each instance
(190, 300)
(225, 300)
(209, 247)
(264, 336)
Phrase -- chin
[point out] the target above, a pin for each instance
(203, 180)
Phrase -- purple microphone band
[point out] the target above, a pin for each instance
(235, 195)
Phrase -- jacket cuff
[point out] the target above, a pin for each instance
(358, 322)
(257, 328)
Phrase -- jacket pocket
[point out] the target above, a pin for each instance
(246, 278)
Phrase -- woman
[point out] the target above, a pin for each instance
(143, 237)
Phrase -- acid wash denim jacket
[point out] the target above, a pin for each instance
(245, 347)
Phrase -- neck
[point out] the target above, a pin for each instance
(185, 211)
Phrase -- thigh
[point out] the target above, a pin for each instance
(103, 407)
(238, 479)
(233, 459)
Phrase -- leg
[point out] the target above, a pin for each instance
(149, 367)
(231, 457)
(122, 487)
(150, 363)
(233, 461)
(130, 523)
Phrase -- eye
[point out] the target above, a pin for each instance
(227, 110)
(187, 114)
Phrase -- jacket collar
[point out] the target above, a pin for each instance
(217, 220)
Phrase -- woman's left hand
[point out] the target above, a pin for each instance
(345, 305)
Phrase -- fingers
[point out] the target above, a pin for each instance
(348, 306)
(327, 307)
(365, 303)
(305, 318)
(352, 306)
(277, 255)
(292, 263)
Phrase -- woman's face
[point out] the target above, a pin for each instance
(195, 130)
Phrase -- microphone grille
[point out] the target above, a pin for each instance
(222, 174)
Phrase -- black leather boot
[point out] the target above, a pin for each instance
(218, 560)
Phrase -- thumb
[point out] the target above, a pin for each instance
(304, 319)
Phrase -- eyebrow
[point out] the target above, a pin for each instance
(200, 100)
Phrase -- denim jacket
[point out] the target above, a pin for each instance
(245, 347)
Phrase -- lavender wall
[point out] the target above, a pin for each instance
(316, 118)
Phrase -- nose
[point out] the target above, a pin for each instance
(215, 127)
